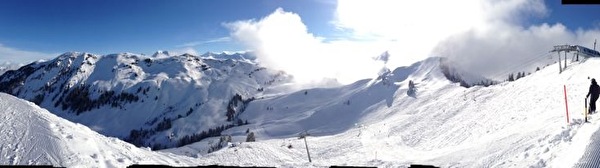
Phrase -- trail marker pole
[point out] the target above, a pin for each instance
(566, 105)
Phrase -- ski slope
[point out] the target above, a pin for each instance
(512, 124)
(372, 122)
(33, 136)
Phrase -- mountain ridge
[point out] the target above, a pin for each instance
(171, 100)
(93, 90)
(411, 114)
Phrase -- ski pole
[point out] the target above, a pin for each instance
(586, 110)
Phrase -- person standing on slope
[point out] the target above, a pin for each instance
(595, 92)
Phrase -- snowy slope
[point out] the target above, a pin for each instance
(512, 124)
(148, 101)
(32, 135)
(374, 122)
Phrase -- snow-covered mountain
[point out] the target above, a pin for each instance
(240, 56)
(147, 101)
(410, 115)
(33, 136)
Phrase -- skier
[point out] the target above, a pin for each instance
(595, 92)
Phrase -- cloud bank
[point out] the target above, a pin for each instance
(509, 49)
(484, 36)
(8, 54)
(281, 41)
(411, 29)
(184, 50)
(503, 46)
(197, 43)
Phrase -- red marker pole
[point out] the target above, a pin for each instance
(566, 105)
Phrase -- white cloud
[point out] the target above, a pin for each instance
(503, 46)
(13, 55)
(509, 49)
(281, 41)
(484, 36)
(410, 29)
(181, 51)
(482, 32)
(197, 43)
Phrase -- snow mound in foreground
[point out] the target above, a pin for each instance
(32, 135)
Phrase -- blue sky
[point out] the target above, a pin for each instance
(144, 26)
(572, 16)
(137, 26)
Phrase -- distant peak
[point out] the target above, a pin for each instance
(385, 56)
(238, 55)
(209, 54)
(161, 54)
(70, 53)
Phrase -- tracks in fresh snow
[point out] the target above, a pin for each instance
(591, 157)
(33, 136)
(24, 139)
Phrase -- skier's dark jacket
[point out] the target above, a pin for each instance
(594, 90)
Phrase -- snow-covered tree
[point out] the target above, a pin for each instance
(250, 137)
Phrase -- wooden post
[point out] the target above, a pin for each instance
(303, 135)
(566, 105)
(586, 110)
